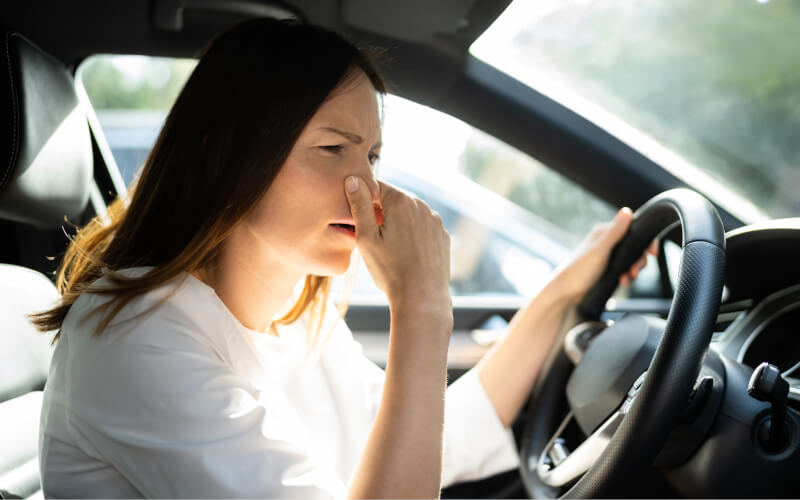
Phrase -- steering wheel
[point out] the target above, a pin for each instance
(629, 385)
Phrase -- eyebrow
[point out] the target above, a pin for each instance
(354, 138)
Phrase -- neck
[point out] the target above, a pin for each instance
(254, 288)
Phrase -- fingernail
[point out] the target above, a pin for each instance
(352, 184)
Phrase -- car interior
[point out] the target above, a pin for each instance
(686, 385)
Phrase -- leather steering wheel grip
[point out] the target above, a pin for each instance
(675, 364)
(699, 221)
(690, 323)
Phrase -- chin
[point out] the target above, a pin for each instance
(333, 266)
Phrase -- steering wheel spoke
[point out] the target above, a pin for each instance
(557, 467)
(579, 337)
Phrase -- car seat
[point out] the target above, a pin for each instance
(46, 173)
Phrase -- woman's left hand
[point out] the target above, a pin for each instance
(591, 258)
(536, 326)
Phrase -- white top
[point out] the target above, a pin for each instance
(184, 401)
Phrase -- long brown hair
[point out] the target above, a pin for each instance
(226, 137)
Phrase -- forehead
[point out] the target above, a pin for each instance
(352, 106)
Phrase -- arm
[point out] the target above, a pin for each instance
(402, 457)
(531, 332)
(409, 259)
(536, 326)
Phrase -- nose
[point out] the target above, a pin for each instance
(368, 175)
(374, 188)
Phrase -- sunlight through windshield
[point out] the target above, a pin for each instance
(709, 90)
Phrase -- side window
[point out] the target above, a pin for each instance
(131, 96)
(511, 219)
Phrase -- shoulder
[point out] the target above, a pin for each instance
(182, 313)
(162, 346)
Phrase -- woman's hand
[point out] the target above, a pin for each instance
(409, 259)
(408, 256)
(591, 258)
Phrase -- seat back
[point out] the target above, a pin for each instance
(24, 361)
(45, 175)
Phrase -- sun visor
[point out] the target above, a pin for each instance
(401, 20)
(45, 147)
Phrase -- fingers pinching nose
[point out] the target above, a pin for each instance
(365, 217)
(352, 184)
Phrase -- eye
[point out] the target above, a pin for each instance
(333, 149)
(373, 158)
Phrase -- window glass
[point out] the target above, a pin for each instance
(709, 90)
(511, 219)
(131, 96)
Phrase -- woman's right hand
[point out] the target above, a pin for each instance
(408, 256)
(409, 259)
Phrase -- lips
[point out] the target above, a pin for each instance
(350, 229)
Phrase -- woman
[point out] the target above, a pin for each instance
(178, 371)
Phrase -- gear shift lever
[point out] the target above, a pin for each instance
(766, 384)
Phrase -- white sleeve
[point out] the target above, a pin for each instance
(176, 421)
(476, 444)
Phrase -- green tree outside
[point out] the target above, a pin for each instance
(154, 87)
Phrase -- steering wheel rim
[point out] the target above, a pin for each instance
(678, 357)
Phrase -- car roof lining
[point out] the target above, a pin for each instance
(129, 27)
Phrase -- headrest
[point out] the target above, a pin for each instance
(45, 146)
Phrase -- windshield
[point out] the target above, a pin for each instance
(709, 90)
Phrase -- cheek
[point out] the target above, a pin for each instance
(317, 180)
(303, 195)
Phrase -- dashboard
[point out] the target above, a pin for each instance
(759, 319)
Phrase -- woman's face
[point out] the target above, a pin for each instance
(296, 220)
